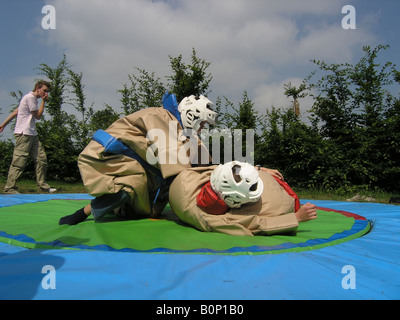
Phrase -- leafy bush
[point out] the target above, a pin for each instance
(352, 144)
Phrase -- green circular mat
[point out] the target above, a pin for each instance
(35, 225)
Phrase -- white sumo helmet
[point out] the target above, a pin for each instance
(237, 183)
(195, 111)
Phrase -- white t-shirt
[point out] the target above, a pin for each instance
(26, 122)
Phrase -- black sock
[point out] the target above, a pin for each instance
(74, 218)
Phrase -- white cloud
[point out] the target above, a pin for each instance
(252, 45)
(273, 94)
(332, 44)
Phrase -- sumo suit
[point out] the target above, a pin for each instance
(107, 174)
(274, 213)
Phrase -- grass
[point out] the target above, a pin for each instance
(30, 187)
(378, 196)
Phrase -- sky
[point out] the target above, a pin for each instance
(252, 45)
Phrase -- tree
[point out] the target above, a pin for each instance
(6, 151)
(144, 90)
(192, 79)
(102, 119)
(60, 133)
(296, 149)
(243, 118)
(391, 171)
(295, 93)
(239, 124)
(57, 91)
(352, 144)
(351, 105)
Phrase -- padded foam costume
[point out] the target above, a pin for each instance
(106, 173)
(272, 214)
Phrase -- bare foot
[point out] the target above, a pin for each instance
(307, 212)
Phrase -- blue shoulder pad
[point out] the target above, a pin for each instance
(171, 104)
(110, 144)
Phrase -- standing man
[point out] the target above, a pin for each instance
(26, 139)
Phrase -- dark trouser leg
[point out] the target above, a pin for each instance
(107, 203)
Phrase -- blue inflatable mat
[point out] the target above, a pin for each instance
(363, 268)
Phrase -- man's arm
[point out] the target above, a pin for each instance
(8, 120)
(38, 114)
